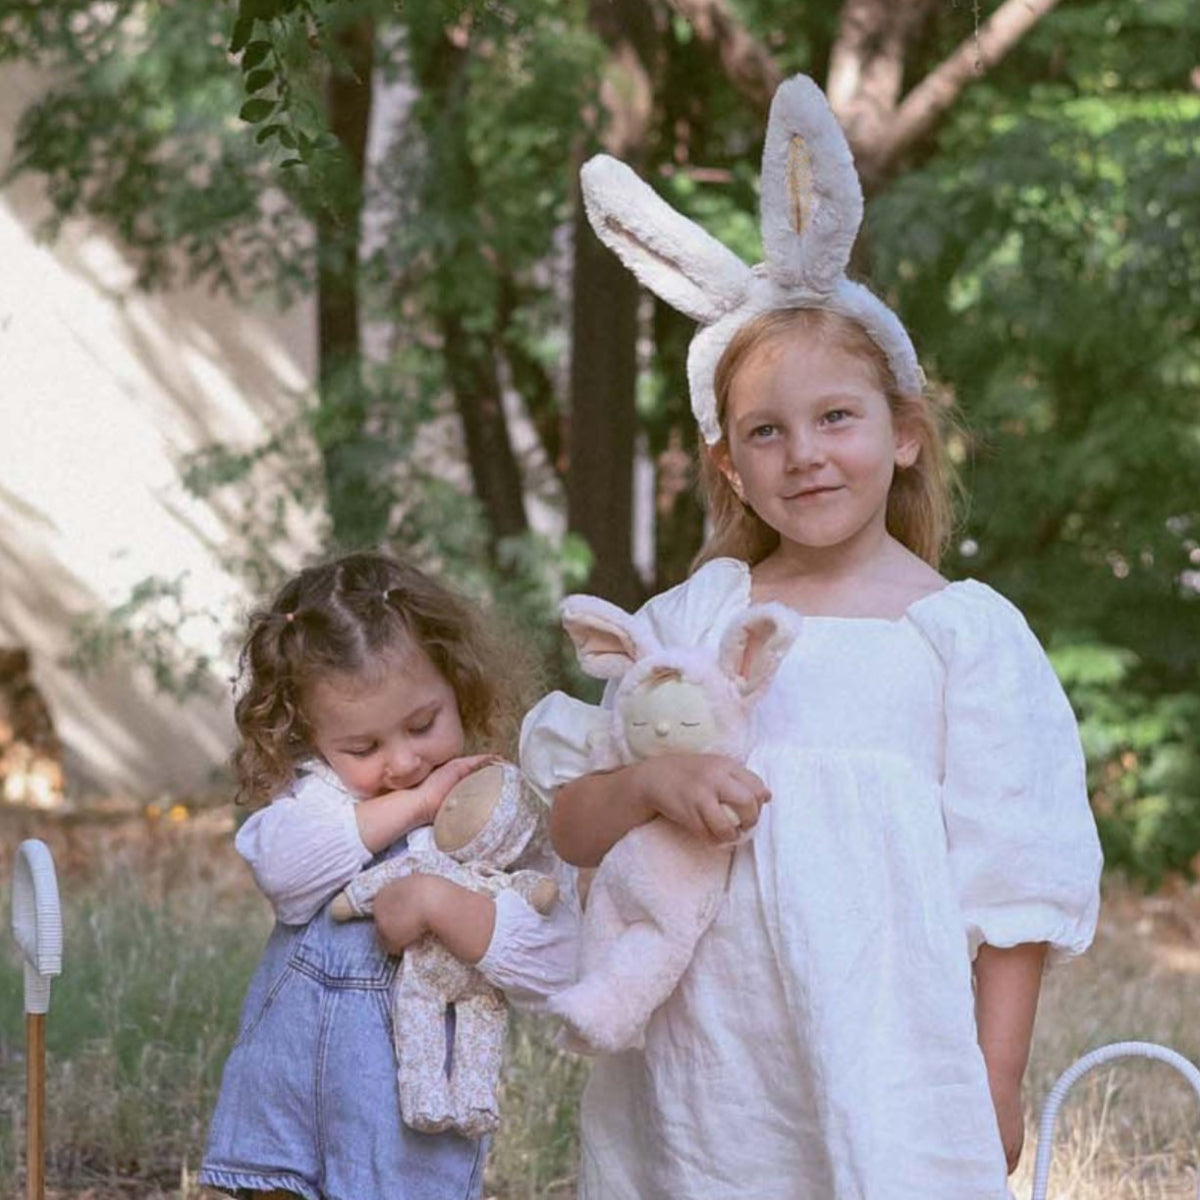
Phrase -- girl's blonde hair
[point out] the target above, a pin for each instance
(358, 614)
(920, 509)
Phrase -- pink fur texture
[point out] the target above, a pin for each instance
(659, 887)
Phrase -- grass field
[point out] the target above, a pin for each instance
(163, 927)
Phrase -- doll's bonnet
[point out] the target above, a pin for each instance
(812, 207)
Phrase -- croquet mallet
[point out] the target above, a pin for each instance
(37, 927)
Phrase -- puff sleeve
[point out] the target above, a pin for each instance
(531, 956)
(556, 737)
(1023, 846)
(304, 846)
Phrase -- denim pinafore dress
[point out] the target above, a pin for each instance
(308, 1099)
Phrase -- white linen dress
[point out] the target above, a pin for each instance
(928, 795)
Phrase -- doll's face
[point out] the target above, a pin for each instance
(670, 716)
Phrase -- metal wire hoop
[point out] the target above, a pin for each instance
(1079, 1068)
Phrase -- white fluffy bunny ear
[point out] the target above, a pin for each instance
(812, 203)
(608, 641)
(755, 643)
(669, 254)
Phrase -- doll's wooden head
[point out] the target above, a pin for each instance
(492, 817)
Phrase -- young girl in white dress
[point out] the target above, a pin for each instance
(856, 1021)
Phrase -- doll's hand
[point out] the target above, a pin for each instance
(708, 794)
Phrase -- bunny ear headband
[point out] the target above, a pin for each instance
(812, 207)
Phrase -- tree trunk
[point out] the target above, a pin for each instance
(603, 419)
(867, 71)
(471, 369)
(604, 299)
(358, 507)
(470, 353)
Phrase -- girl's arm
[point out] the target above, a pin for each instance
(310, 842)
(302, 848)
(462, 920)
(383, 819)
(529, 954)
(1007, 984)
(590, 814)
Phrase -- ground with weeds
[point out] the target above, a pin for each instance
(163, 926)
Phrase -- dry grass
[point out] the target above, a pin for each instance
(1129, 1130)
(163, 927)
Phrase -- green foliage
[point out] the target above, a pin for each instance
(1143, 761)
(1048, 262)
(136, 134)
(150, 628)
(478, 180)
(287, 49)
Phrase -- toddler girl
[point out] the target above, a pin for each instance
(365, 681)
(855, 1022)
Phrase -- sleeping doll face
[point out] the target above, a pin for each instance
(665, 714)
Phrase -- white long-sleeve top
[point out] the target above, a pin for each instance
(305, 846)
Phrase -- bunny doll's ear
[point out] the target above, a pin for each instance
(669, 254)
(812, 202)
(754, 644)
(608, 641)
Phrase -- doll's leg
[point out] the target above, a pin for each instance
(652, 898)
(480, 1024)
(607, 1010)
(419, 1024)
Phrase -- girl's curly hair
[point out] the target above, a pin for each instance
(355, 614)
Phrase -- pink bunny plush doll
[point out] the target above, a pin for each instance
(658, 888)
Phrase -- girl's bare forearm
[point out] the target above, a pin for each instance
(591, 814)
(1007, 985)
(383, 819)
(462, 920)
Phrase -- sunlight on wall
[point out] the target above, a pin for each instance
(102, 393)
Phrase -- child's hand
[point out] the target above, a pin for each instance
(1010, 1118)
(402, 911)
(411, 907)
(382, 819)
(708, 794)
(439, 783)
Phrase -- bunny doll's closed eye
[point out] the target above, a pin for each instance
(658, 888)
